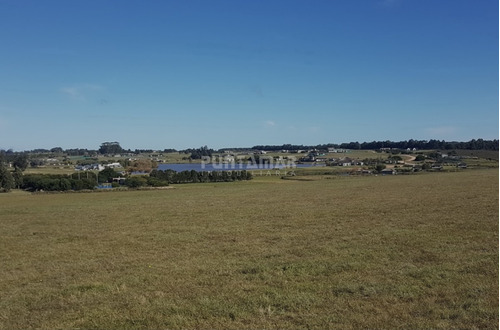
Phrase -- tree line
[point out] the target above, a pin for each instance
(89, 180)
(56, 182)
(193, 176)
(198, 153)
(474, 144)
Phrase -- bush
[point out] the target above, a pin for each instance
(136, 182)
(155, 182)
(65, 184)
(379, 167)
(6, 179)
(107, 175)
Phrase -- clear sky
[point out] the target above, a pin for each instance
(237, 73)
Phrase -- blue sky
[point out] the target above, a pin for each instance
(180, 74)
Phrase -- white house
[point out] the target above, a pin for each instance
(113, 165)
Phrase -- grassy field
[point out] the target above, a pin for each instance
(418, 251)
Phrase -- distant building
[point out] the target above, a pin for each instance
(335, 150)
(113, 165)
(346, 161)
(91, 167)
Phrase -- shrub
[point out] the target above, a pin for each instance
(135, 182)
(155, 182)
(379, 167)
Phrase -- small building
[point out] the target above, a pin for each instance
(349, 162)
(113, 165)
(97, 167)
(120, 180)
(388, 171)
(91, 167)
(335, 150)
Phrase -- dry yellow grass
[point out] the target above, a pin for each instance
(349, 252)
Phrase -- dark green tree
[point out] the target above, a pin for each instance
(199, 153)
(21, 162)
(18, 177)
(107, 175)
(155, 182)
(379, 167)
(6, 179)
(195, 176)
(110, 148)
(135, 182)
(64, 184)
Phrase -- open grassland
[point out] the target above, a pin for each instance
(417, 251)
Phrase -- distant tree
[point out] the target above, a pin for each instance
(18, 177)
(56, 150)
(80, 152)
(107, 175)
(435, 155)
(64, 184)
(37, 162)
(135, 182)
(143, 151)
(155, 182)
(40, 151)
(21, 162)
(379, 167)
(110, 148)
(6, 179)
(200, 152)
(170, 176)
(195, 176)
